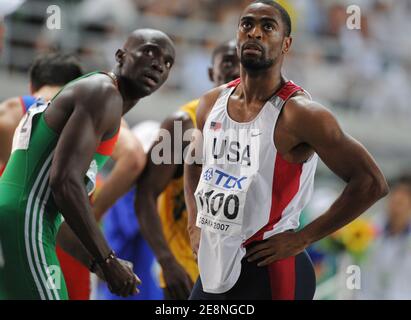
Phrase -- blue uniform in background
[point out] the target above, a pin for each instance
(122, 232)
(27, 102)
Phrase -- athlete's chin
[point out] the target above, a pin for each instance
(252, 64)
(144, 90)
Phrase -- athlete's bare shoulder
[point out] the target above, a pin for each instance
(11, 111)
(11, 108)
(97, 92)
(95, 97)
(206, 103)
(306, 118)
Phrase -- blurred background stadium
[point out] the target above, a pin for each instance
(362, 75)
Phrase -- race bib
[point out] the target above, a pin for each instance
(21, 138)
(220, 199)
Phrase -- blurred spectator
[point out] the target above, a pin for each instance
(6, 7)
(386, 273)
(367, 70)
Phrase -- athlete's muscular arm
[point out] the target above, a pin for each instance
(129, 160)
(88, 122)
(69, 242)
(152, 183)
(192, 174)
(312, 124)
(192, 171)
(71, 161)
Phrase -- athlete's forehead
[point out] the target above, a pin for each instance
(261, 11)
(149, 37)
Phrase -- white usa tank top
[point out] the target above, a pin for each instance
(247, 192)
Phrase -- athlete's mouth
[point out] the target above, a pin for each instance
(252, 48)
(152, 80)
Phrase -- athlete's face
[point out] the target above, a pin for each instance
(226, 65)
(261, 38)
(146, 62)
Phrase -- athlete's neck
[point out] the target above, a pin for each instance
(47, 92)
(129, 99)
(260, 86)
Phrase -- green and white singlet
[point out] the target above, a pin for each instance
(29, 217)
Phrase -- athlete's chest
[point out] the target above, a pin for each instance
(241, 112)
(285, 142)
(233, 141)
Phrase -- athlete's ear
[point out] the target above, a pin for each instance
(120, 54)
(211, 74)
(287, 44)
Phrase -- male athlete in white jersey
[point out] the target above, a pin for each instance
(262, 134)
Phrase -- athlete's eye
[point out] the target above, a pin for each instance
(268, 27)
(246, 25)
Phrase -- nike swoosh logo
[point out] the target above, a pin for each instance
(256, 134)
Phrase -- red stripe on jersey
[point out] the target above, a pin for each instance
(282, 279)
(288, 90)
(106, 147)
(286, 183)
(2, 169)
(234, 83)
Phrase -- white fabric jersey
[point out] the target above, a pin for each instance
(247, 191)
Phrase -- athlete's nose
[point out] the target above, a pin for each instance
(156, 65)
(255, 33)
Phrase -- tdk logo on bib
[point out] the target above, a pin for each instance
(224, 180)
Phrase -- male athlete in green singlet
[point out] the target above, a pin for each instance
(57, 150)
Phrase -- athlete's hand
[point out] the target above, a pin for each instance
(120, 278)
(279, 246)
(194, 234)
(99, 272)
(178, 282)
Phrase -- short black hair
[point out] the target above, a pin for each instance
(284, 14)
(54, 69)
